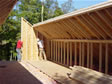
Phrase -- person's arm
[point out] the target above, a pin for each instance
(21, 44)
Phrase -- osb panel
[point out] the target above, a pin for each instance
(29, 50)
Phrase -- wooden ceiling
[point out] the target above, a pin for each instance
(5, 8)
(94, 22)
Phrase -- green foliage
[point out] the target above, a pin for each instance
(8, 36)
(31, 11)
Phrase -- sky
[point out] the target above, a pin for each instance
(82, 3)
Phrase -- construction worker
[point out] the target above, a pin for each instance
(41, 50)
(18, 49)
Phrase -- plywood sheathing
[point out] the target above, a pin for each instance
(30, 49)
(5, 8)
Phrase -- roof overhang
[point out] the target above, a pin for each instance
(5, 8)
(94, 22)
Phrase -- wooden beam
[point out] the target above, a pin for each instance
(99, 24)
(54, 51)
(72, 33)
(83, 53)
(73, 29)
(71, 54)
(74, 22)
(90, 25)
(104, 20)
(85, 26)
(75, 53)
(100, 57)
(63, 30)
(61, 52)
(51, 58)
(106, 58)
(96, 26)
(58, 52)
(107, 12)
(68, 53)
(88, 55)
(57, 30)
(86, 41)
(91, 65)
(64, 54)
(80, 54)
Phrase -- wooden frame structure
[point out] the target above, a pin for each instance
(30, 50)
(82, 38)
(5, 8)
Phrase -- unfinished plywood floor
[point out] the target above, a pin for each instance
(57, 72)
(15, 73)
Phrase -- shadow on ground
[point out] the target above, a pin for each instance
(15, 73)
(66, 80)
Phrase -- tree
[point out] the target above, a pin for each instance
(52, 9)
(8, 36)
(67, 6)
(31, 11)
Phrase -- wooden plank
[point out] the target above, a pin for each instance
(54, 51)
(106, 58)
(86, 41)
(30, 49)
(64, 54)
(72, 29)
(61, 52)
(86, 27)
(31, 40)
(105, 23)
(75, 53)
(83, 53)
(103, 30)
(26, 26)
(91, 66)
(69, 29)
(74, 22)
(96, 26)
(80, 54)
(63, 30)
(52, 31)
(66, 28)
(78, 33)
(70, 54)
(58, 52)
(51, 58)
(104, 19)
(88, 55)
(100, 57)
(107, 12)
(57, 30)
(90, 25)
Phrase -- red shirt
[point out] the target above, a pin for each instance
(19, 44)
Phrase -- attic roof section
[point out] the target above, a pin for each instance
(90, 23)
(77, 12)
